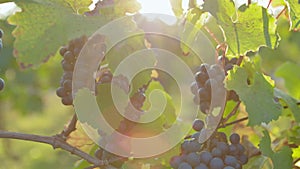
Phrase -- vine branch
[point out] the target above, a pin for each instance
(234, 122)
(232, 113)
(56, 142)
(70, 128)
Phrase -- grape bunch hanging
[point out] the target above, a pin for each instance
(70, 54)
(208, 77)
(136, 100)
(215, 153)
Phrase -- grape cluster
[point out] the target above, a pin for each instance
(133, 109)
(207, 77)
(2, 84)
(228, 65)
(215, 153)
(70, 54)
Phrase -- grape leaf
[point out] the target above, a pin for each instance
(281, 159)
(168, 115)
(244, 30)
(80, 6)
(265, 145)
(291, 103)
(43, 26)
(258, 96)
(260, 162)
(289, 72)
(294, 11)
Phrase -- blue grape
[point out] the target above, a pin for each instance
(234, 138)
(223, 147)
(190, 146)
(175, 161)
(193, 159)
(201, 77)
(216, 152)
(198, 125)
(184, 165)
(233, 150)
(216, 163)
(228, 167)
(201, 166)
(230, 160)
(205, 157)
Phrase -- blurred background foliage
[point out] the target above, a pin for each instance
(29, 104)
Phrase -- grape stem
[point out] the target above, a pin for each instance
(70, 128)
(234, 122)
(232, 113)
(56, 142)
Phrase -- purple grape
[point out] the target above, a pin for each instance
(198, 125)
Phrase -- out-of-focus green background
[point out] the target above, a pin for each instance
(29, 104)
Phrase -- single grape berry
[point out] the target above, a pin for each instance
(175, 161)
(2, 84)
(223, 147)
(201, 166)
(193, 159)
(67, 100)
(61, 92)
(230, 161)
(63, 50)
(205, 157)
(184, 165)
(216, 163)
(216, 152)
(198, 125)
(234, 138)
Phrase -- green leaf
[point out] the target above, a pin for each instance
(154, 100)
(291, 103)
(177, 7)
(43, 26)
(80, 6)
(259, 162)
(257, 96)
(244, 30)
(289, 72)
(294, 11)
(281, 159)
(265, 145)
